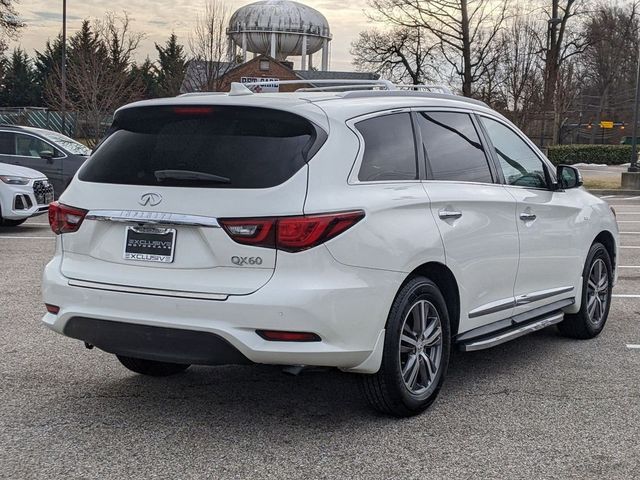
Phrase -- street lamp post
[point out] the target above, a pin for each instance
(63, 80)
(634, 131)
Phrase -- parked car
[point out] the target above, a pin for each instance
(24, 193)
(372, 231)
(54, 154)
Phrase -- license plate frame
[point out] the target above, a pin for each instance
(149, 244)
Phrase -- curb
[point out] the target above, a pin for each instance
(615, 191)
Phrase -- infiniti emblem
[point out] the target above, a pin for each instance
(150, 199)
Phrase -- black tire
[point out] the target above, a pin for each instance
(386, 390)
(582, 325)
(11, 223)
(151, 367)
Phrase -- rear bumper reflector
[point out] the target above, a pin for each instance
(281, 336)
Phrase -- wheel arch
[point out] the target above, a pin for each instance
(606, 238)
(444, 278)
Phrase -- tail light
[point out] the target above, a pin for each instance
(65, 219)
(291, 234)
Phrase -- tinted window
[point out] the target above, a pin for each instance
(520, 165)
(7, 143)
(193, 146)
(453, 148)
(389, 148)
(29, 146)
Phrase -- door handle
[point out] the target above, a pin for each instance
(446, 214)
(527, 217)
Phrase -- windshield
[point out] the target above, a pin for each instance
(213, 147)
(69, 144)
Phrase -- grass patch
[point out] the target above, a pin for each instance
(601, 184)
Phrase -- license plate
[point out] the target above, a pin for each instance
(149, 244)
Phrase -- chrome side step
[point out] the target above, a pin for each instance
(505, 336)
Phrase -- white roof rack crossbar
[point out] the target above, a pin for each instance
(431, 88)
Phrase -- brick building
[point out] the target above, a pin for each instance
(262, 67)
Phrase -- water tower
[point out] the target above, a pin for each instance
(280, 29)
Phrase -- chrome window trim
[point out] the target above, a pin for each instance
(152, 218)
(19, 132)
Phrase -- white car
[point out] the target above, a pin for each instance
(24, 193)
(372, 231)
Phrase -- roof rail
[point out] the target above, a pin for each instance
(241, 88)
(327, 84)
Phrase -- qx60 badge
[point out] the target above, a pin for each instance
(150, 199)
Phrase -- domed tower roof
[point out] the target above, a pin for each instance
(255, 25)
(280, 15)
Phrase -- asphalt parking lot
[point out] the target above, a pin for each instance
(540, 407)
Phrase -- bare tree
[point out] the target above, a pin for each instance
(98, 75)
(521, 68)
(612, 33)
(465, 30)
(208, 46)
(121, 42)
(10, 23)
(562, 43)
(402, 55)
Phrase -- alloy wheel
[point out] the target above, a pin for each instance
(597, 291)
(420, 347)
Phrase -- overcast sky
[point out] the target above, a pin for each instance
(158, 18)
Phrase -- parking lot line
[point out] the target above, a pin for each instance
(630, 246)
(628, 221)
(629, 233)
(629, 266)
(628, 213)
(625, 295)
(630, 345)
(23, 238)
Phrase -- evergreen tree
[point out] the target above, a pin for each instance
(145, 75)
(19, 89)
(46, 63)
(172, 67)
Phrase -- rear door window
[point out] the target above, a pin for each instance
(7, 143)
(453, 148)
(389, 148)
(203, 146)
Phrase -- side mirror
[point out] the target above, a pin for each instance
(569, 177)
(46, 155)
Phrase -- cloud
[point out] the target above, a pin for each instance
(157, 19)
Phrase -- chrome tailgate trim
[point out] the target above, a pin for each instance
(152, 218)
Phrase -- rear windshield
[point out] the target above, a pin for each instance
(203, 146)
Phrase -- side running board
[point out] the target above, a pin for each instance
(503, 336)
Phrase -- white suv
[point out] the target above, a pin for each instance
(24, 193)
(372, 231)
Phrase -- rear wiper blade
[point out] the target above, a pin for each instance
(189, 175)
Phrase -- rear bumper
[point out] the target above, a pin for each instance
(346, 306)
(155, 343)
